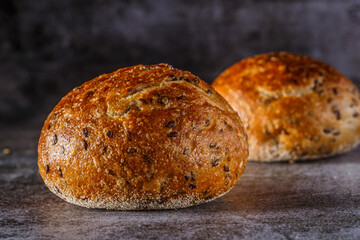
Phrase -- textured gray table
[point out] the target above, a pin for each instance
(308, 200)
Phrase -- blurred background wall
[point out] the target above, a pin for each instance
(48, 47)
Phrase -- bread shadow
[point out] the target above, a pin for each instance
(348, 157)
(242, 208)
(352, 156)
(265, 189)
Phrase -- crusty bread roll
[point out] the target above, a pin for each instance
(293, 107)
(143, 137)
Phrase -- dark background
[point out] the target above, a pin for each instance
(49, 47)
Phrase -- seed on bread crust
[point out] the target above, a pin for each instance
(212, 144)
(192, 186)
(60, 172)
(54, 139)
(85, 145)
(132, 150)
(110, 134)
(85, 132)
(170, 124)
(186, 151)
(173, 135)
(215, 162)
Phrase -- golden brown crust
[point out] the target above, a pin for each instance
(142, 137)
(293, 107)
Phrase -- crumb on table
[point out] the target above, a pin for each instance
(6, 151)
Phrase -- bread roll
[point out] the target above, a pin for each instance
(293, 107)
(143, 137)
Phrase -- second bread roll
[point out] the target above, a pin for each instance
(293, 107)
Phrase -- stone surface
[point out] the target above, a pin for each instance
(308, 200)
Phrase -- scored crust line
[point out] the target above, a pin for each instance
(144, 89)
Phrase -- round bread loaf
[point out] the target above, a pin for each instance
(293, 107)
(143, 137)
